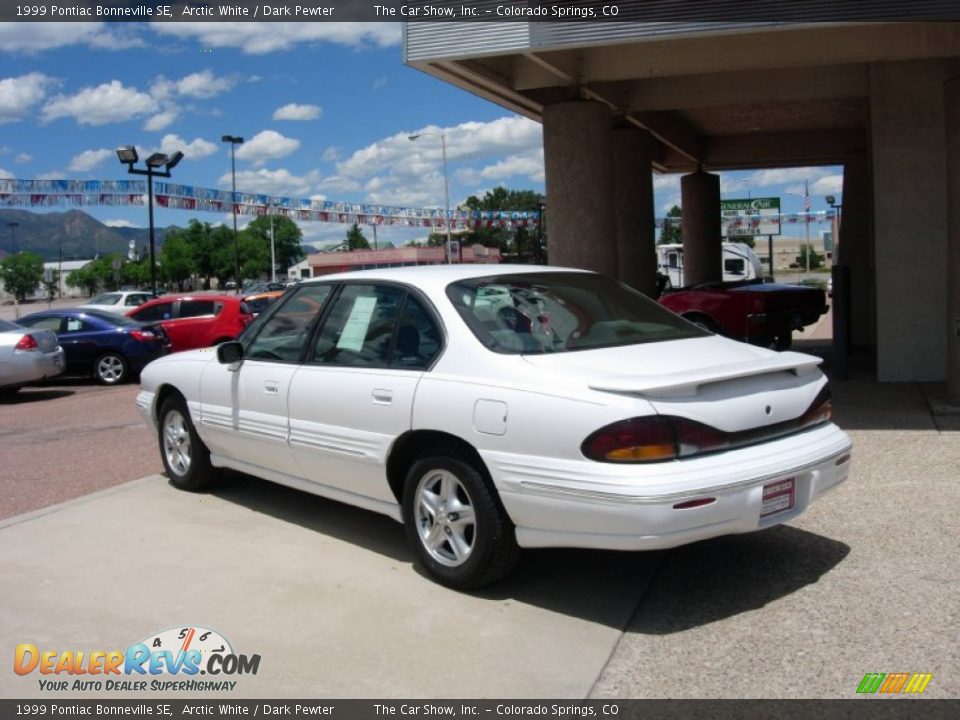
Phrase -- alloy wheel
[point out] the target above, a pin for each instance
(446, 521)
(176, 442)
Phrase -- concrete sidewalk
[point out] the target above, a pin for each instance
(866, 581)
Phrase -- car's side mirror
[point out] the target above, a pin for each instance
(230, 352)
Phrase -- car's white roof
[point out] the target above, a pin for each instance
(438, 275)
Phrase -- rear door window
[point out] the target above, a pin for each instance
(160, 311)
(198, 308)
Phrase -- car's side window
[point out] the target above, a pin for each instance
(45, 323)
(283, 334)
(161, 311)
(135, 300)
(418, 338)
(76, 325)
(196, 308)
(360, 328)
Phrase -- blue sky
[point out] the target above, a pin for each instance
(325, 109)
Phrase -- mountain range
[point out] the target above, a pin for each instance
(76, 233)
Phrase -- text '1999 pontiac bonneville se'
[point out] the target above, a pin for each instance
(494, 408)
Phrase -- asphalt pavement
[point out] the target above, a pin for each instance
(866, 581)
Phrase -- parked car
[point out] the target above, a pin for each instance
(756, 312)
(120, 302)
(110, 347)
(583, 414)
(195, 321)
(26, 356)
(260, 301)
(259, 286)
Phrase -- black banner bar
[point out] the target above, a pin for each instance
(854, 709)
(720, 11)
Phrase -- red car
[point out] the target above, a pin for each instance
(195, 321)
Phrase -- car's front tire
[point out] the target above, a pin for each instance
(111, 369)
(459, 531)
(185, 457)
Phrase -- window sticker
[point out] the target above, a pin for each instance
(355, 329)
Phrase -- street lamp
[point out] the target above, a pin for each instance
(127, 155)
(273, 251)
(446, 185)
(835, 225)
(13, 236)
(234, 141)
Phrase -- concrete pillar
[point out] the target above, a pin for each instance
(909, 218)
(856, 249)
(951, 103)
(578, 160)
(634, 215)
(702, 252)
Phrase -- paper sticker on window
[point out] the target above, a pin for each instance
(355, 329)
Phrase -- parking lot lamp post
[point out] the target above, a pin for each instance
(127, 154)
(446, 185)
(234, 141)
(273, 250)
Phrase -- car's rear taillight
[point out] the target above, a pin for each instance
(26, 343)
(143, 336)
(637, 440)
(820, 410)
(665, 437)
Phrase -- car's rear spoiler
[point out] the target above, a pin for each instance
(686, 383)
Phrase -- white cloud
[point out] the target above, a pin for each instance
(251, 38)
(32, 37)
(273, 182)
(827, 185)
(331, 154)
(120, 223)
(779, 176)
(22, 158)
(193, 150)
(89, 159)
(267, 145)
(19, 95)
(411, 172)
(161, 120)
(380, 82)
(293, 111)
(204, 85)
(6, 174)
(106, 103)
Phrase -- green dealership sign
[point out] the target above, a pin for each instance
(750, 216)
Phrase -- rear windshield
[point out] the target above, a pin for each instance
(112, 318)
(536, 313)
(108, 299)
(8, 326)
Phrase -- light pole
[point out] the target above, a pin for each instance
(234, 141)
(273, 251)
(835, 225)
(806, 219)
(446, 185)
(13, 236)
(127, 154)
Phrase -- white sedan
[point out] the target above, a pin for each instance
(120, 302)
(577, 414)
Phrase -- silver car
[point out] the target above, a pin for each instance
(27, 356)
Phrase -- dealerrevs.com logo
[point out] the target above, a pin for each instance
(170, 661)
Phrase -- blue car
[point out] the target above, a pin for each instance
(112, 348)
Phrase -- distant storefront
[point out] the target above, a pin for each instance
(326, 263)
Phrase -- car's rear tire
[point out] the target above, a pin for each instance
(185, 457)
(456, 524)
(111, 369)
(783, 341)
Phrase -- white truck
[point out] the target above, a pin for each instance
(740, 262)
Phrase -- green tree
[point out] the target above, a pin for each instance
(287, 236)
(355, 239)
(21, 273)
(672, 230)
(136, 273)
(816, 259)
(176, 258)
(519, 242)
(84, 278)
(223, 257)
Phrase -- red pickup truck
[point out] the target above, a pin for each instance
(760, 313)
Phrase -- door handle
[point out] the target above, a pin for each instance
(271, 388)
(382, 397)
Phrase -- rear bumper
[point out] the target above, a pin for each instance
(612, 507)
(29, 367)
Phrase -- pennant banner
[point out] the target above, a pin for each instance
(77, 193)
(74, 193)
